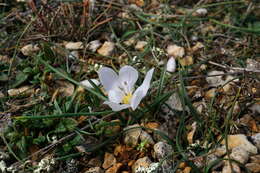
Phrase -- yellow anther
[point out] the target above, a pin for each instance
(127, 98)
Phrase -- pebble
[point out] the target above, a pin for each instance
(175, 51)
(114, 168)
(255, 159)
(142, 163)
(74, 45)
(201, 12)
(95, 162)
(94, 45)
(171, 65)
(106, 49)
(144, 136)
(109, 160)
(187, 170)
(140, 45)
(2, 166)
(186, 61)
(161, 150)
(239, 154)
(227, 168)
(94, 170)
(131, 136)
(253, 167)
(256, 140)
(30, 49)
(242, 141)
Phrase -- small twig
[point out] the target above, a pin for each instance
(232, 68)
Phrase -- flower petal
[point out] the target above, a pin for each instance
(171, 65)
(108, 77)
(141, 91)
(127, 78)
(115, 95)
(115, 106)
(87, 84)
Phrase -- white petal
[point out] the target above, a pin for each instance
(87, 84)
(141, 91)
(115, 95)
(116, 106)
(108, 77)
(136, 99)
(127, 78)
(171, 65)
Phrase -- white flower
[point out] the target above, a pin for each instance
(87, 84)
(120, 88)
(171, 65)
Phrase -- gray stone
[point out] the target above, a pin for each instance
(95, 170)
(132, 135)
(256, 140)
(161, 150)
(141, 164)
(239, 154)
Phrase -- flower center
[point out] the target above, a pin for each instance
(127, 98)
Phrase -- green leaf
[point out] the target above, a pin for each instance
(19, 79)
(39, 140)
(67, 124)
(3, 77)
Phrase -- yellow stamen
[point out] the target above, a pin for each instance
(127, 98)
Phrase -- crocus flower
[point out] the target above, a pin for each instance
(171, 65)
(120, 88)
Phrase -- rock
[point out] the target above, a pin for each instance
(175, 51)
(132, 135)
(174, 102)
(74, 55)
(161, 150)
(215, 80)
(94, 170)
(74, 45)
(171, 65)
(201, 12)
(140, 45)
(4, 155)
(240, 140)
(186, 170)
(144, 136)
(197, 46)
(239, 154)
(114, 168)
(166, 128)
(256, 140)
(94, 45)
(142, 163)
(212, 158)
(253, 167)
(71, 166)
(87, 84)
(227, 168)
(3, 166)
(109, 160)
(65, 88)
(95, 162)
(255, 159)
(187, 60)
(210, 93)
(30, 49)
(106, 49)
